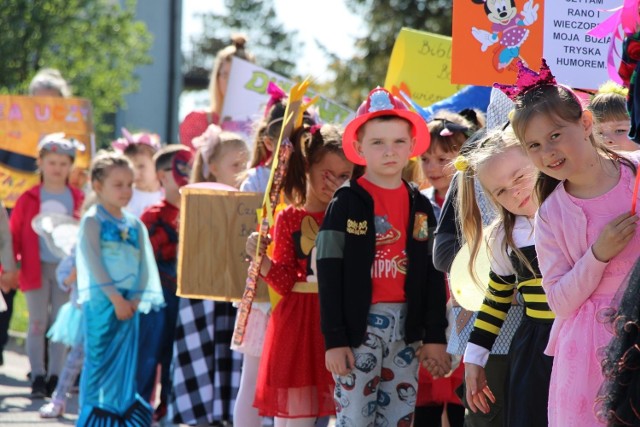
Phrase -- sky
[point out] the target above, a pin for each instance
(328, 21)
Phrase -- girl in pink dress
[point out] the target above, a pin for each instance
(586, 235)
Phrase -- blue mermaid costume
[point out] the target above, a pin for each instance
(114, 255)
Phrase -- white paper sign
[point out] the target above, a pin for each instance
(575, 58)
(246, 98)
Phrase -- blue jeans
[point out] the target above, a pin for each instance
(167, 339)
(150, 338)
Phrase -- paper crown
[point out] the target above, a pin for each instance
(528, 79)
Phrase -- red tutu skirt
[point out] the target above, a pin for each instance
(293, 381)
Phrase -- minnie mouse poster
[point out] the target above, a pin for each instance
(508, 30)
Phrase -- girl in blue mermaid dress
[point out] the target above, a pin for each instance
(117, 280)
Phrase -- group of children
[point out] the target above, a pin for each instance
(359, 261)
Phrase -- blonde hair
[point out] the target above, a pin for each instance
(412, 172)
(49, 79)
(610, 103)
(236, 48)
(214, 148)
(469, 217)
(105, 162)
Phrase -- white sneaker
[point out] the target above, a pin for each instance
(52, 410)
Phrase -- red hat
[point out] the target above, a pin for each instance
(381, 103)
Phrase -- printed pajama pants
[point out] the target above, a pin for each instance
(382, 387)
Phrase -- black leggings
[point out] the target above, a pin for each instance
(431, 416)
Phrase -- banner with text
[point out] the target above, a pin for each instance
(489, 38)
(576, 58)
(24, 120)
(247, 96)
(420, 66)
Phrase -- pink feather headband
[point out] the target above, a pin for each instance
(145, 138)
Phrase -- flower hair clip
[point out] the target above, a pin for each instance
(145, 138)
(315, 128)
(528, 79)
(461, 163)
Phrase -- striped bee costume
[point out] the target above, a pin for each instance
(527, 386)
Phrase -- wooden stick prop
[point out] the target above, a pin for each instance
(281, 156)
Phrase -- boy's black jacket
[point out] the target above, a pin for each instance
(346, 246)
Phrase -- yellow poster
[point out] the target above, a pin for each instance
(420, 66)
(24, 120)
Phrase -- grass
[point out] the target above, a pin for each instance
(20, 317)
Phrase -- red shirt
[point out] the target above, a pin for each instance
(161, 220)
(391, 210)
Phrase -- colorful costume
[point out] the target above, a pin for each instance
(580, 290)
(527, 387)
(377, 301)
(293, 381)
(114, 255)
(156, 345)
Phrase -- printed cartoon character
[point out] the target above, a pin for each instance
(508, 29)
(385, 233)
(306, 245)
(407, 393)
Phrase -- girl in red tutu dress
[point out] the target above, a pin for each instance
(294, 385)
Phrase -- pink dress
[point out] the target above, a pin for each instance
(580, 289)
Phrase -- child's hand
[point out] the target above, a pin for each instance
(331, 182)
(252, 243)
(9, 281)
(339, 360)
(477, 388)
(615, 236)
(124, 309)
(71, 278)
(435, 359)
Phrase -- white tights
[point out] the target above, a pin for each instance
(244, 414)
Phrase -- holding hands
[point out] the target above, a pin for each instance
(435, 359)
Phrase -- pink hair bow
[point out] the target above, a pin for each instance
(276, 95)
(150, 139)
(206, 144)
(315, 128)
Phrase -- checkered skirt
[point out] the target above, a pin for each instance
(206, 372)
